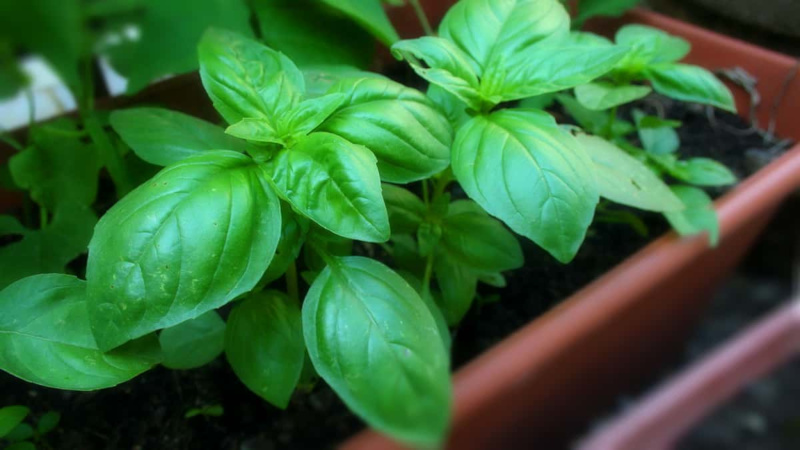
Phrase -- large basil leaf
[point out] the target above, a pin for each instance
(310, 33)
(600, 96)
(474, 239)
(489, 31)
(162, 137)
(624, 179)
(370, 15)
(401, 126)
(320, 78)
(264, 345)
(697, 216)
(406, 210)
(522, 168)
(649, 46)
(45, 338)
(443, 64)
(247, 79)
(170, 31)
(58, 168)
(334, 183)
(193, 343)
(690, 84)
(46, 250)
(374, 341)
(542, 69)
(194, 237)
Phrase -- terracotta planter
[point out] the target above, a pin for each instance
(546, 381)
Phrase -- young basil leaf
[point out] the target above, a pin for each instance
(704, 172)
(406, 210)
(370, 15)
(428, 236)
(170, 31)
(523, 169)
(458, 283)
(595, 122)
(542, 69)
(624, 179)
(649, 46)
(599, 96)
(47, 250)
(690, 84)
(264, 345)
(197, 235)
(256, 130)
(453, 108)
(374, 341)
(476, 240)
(294, 228)
(657, 136)
(246, 79)
(10, 417)
(334, 183)
(48, 422)
(609, 8)
(310, 33)
(697, 216)
(489, 31)
(58, 168)
(193, 343)
(310, 113)
(405, 131)
(443, 64)
(45, 334)
(162, 137)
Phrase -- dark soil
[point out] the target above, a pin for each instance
(148, 412)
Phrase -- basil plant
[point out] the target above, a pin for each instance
(287, 240)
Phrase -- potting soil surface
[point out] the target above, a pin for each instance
(149, 411)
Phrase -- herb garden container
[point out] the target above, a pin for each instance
(546, 381)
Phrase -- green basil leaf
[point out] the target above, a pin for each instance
(595, 122)
(690, 84)
(451, 106)
(256, 130)
(162, 137)
(406, 210)
(657, 136)
(649, 46)
(428, 236)
(246, 79)
(704, 172)
(538, 102)
(264, 345)
(458, 284)
(197, 235)
(608, 8)
(47, 250)
(293, 234)
(10, 417)
(58, 168)
(12, 80)
(170, 31)
(47, 340)
(489, 31)
(48, 422)
(310, 33)
(22, 445)
(474, 239)
(370, 15)
(320, 78)
(542, 69)
(433, 307)
(374, 341)
(624, 179)
(310, 113)
(523, 169)
(334, 183)
(401, 126)
(442, 63)
(193, 343)
(697, 216)
(600, 96)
